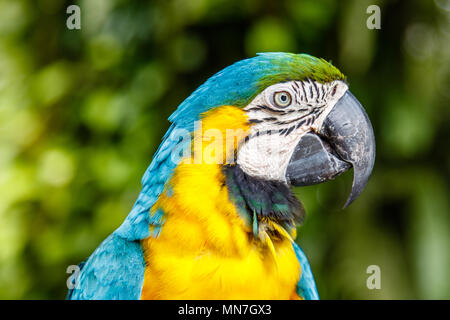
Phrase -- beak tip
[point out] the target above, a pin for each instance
(360, 180)
(352, 197)
(349, 201)
(357, 142)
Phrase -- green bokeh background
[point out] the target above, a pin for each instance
(83, 111)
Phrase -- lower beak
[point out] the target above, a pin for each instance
(345, 140)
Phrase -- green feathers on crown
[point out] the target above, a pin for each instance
(289, 66)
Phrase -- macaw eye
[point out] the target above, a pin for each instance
(282, 99)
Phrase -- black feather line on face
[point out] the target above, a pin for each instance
(290, 130)
(264, 107)
(268, 199)
(254, 121)
(317, 91)
(304, 91)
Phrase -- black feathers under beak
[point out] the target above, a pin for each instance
(345, 140)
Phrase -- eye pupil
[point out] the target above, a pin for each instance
(282, 99)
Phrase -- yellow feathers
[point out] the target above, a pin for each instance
(205, 250)
(218, 135)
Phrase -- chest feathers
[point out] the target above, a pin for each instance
(225, 235)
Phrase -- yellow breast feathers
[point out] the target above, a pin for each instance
(205, 250)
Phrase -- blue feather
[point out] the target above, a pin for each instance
(306, 286)
(115, 271)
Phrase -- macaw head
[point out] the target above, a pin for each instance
(307, 127)
(303, 125)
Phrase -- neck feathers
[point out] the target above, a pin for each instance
(260, 200)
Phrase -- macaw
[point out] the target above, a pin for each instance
(217, 220)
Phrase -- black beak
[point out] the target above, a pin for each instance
(345, 140)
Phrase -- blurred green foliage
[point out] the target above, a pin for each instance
(82, 111)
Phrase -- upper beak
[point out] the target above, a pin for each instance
(345, 140)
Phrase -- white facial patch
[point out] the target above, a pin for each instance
(267, 156)
(280, 116)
